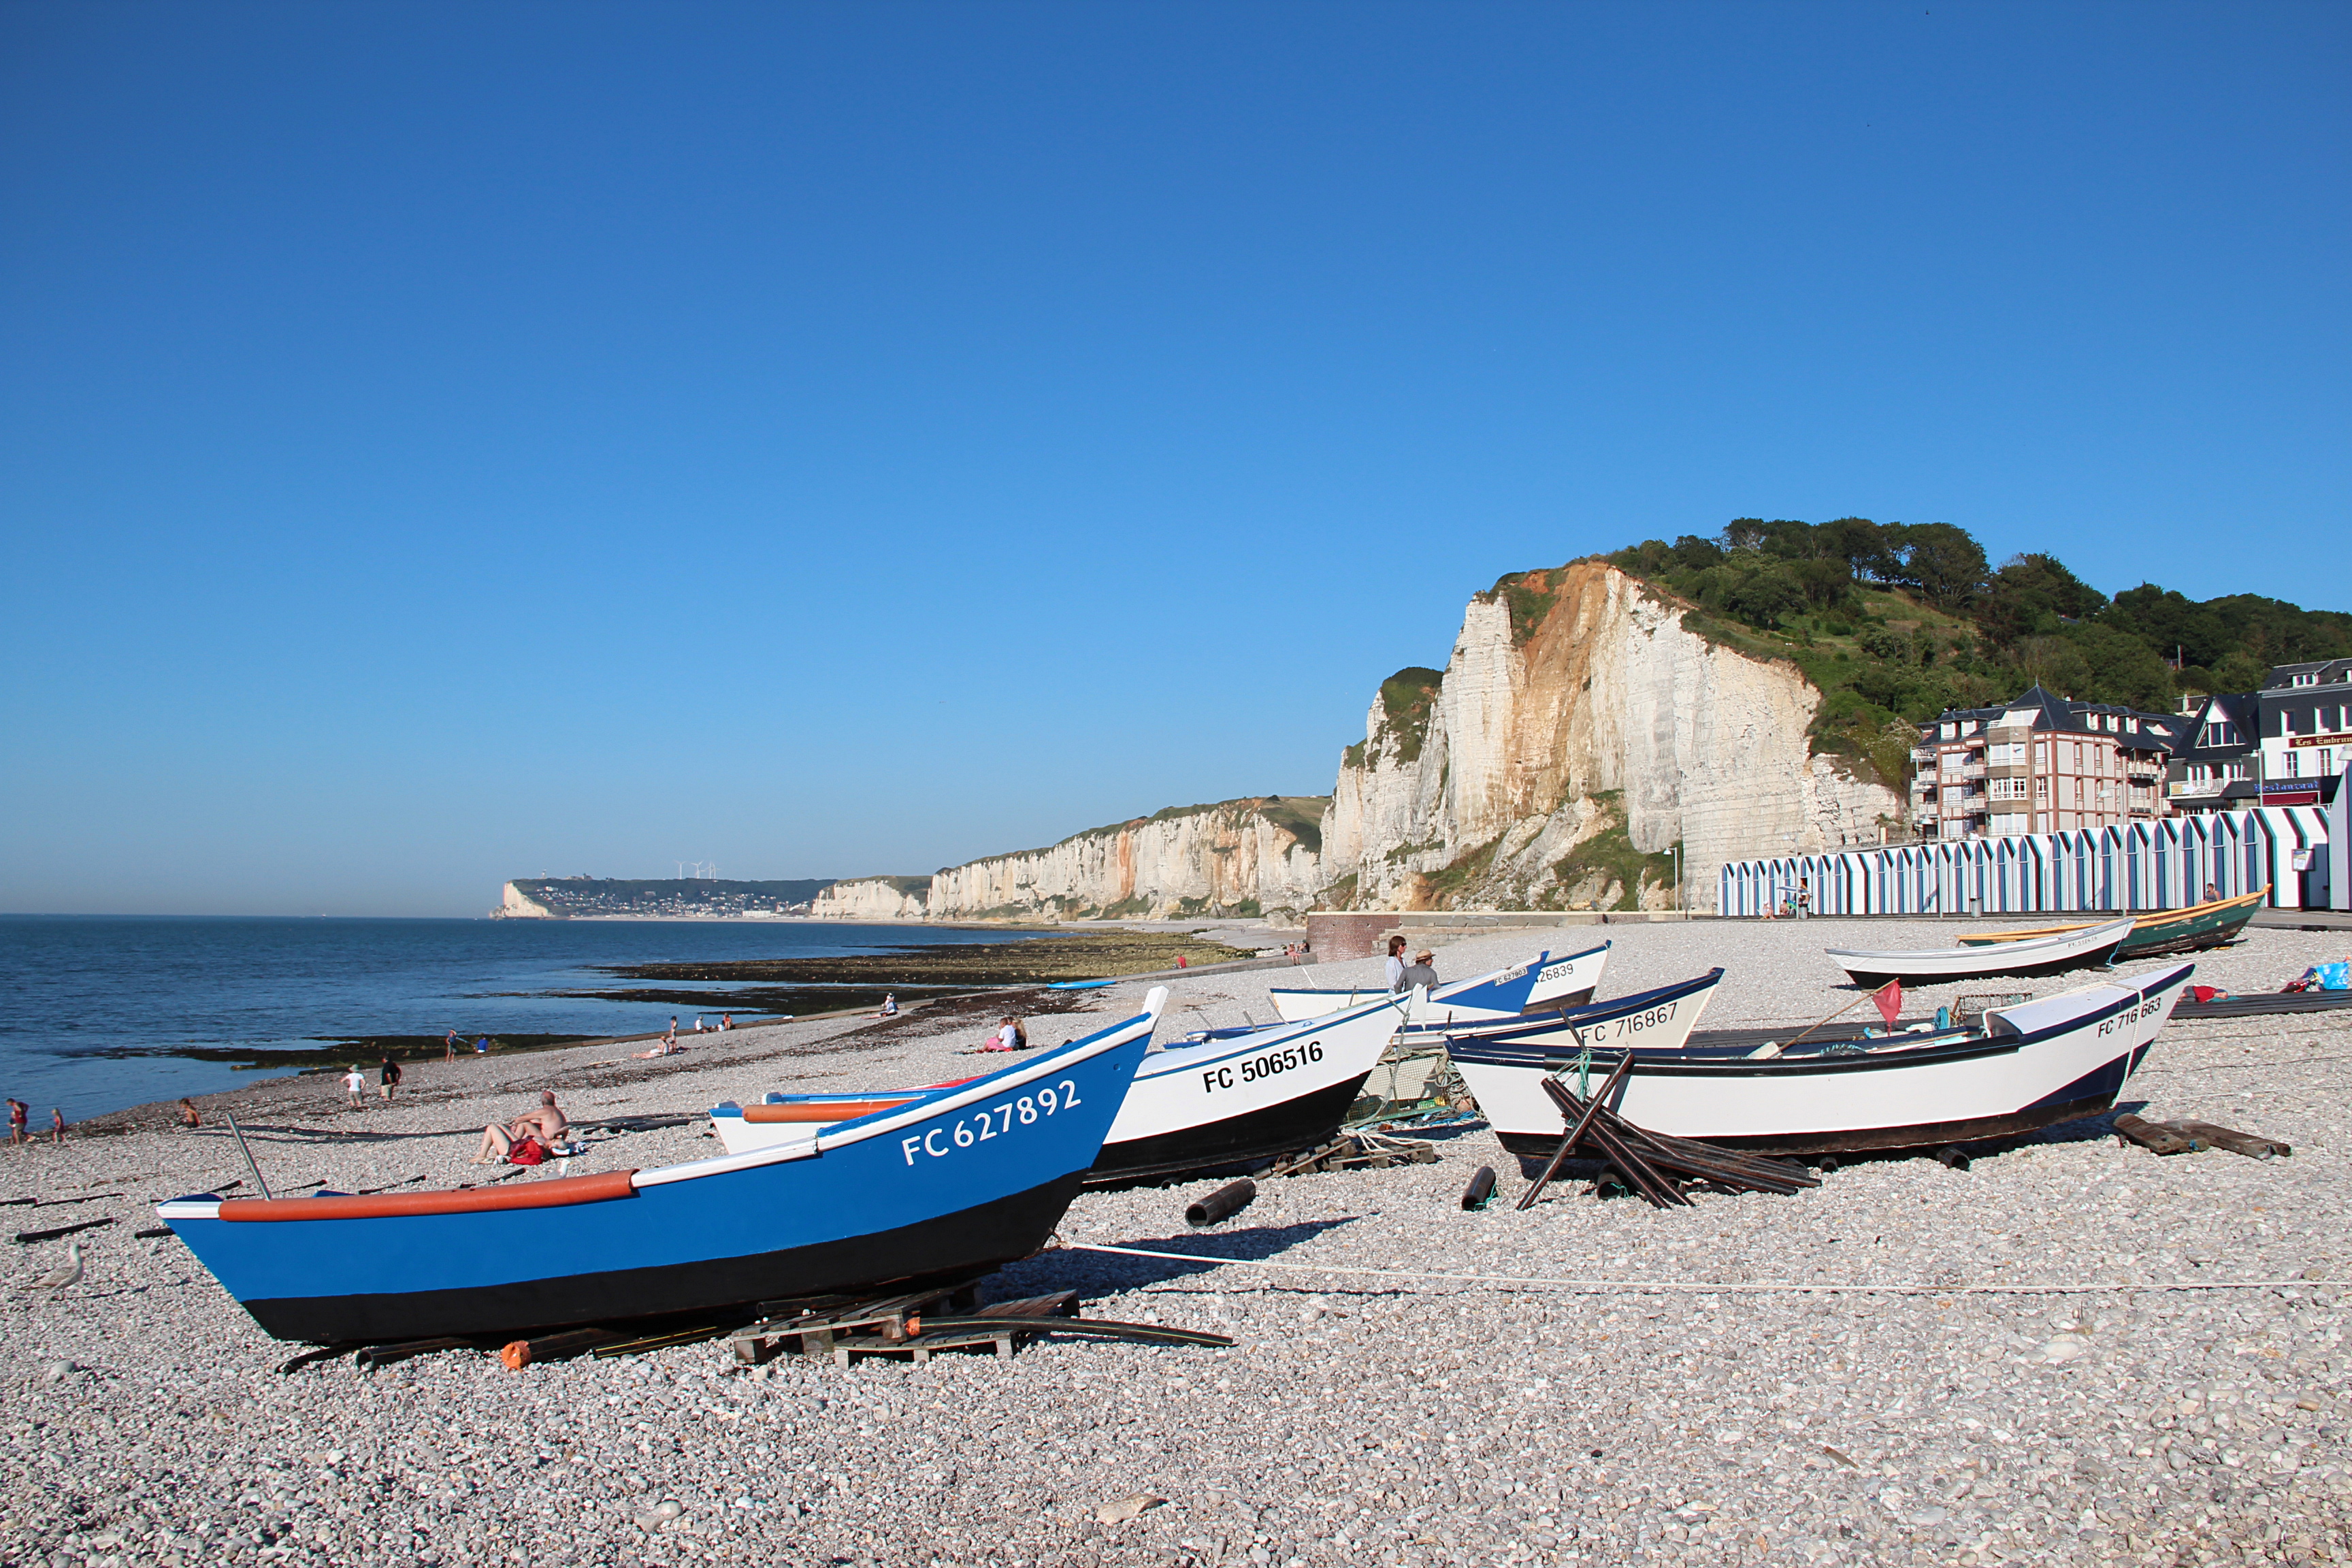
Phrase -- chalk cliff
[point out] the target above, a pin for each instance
(1235, 857)
(874, 899)
(1578, 731)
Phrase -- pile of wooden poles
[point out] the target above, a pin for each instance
(1651, 1163)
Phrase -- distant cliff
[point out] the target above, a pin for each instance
(1579, 732)
(691, 897)
(1241, 858)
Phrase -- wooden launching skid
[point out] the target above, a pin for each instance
(912, 1324)
(892, 1325)
(1356, 1152)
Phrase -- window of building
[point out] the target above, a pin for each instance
(2309, 678)
(1952, 732)
(2042, 788)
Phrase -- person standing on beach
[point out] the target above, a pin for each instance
(355, 1086)
(390, 1074)
(57, 1126)
(1396, 964)
(450, 1046)
(17, 1112)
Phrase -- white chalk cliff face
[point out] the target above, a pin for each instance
(1602, 724)
(872, 899)
(1238, 857)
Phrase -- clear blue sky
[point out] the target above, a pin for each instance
(448, 442)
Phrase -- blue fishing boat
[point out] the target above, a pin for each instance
(934, 1185)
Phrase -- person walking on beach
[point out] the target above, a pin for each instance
(390, 1074)
(670, 1039)
(1396, 964)
(57, 1126)
(355, 1086)
(17, 1112)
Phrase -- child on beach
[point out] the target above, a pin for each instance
(188, 1115)
(354, 1085)
(57, 1126)
(390, 1077)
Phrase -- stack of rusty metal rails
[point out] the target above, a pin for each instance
(1365, 1150)
(918, 1323)
(1651, 1163)
(895, 1325)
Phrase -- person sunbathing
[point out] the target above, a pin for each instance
(546, 1124)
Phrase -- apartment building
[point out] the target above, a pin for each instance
(2305, 719)
(2041, 764)
(2217, 766)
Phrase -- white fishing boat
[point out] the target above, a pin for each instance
(2035, 1065)
(1214, 1099)
(1659, 1020)
(1542, 983)
(2054, 954)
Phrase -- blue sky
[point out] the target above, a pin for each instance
(440, 443)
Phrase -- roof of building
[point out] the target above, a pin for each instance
(2331, 672)
(2052, 711)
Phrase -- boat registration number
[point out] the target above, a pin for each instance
(1632, 1024)
(995, 1121)
(2130, 1016)
(1285, 1060)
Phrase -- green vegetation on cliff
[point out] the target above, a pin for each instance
(1896, 622)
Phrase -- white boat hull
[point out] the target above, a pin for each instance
(1566, 982)
(2039, 955)
(1238, 1096)
(2032, 1066)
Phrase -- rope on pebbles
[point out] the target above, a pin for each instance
(1702, 1287)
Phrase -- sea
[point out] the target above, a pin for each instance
(96, 1011)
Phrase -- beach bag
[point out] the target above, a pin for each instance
(2336, 976)
(530, 1151)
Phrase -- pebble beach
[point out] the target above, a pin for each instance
(1740, 1382)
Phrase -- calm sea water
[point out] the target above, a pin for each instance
(86, 1001)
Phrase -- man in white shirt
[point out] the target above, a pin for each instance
(1396, 964)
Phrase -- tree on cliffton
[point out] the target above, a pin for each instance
(1943, 563)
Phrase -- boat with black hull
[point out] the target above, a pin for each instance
(1234, 1097)
(2031, 1066)
(944, 1183)
(1215, 1098)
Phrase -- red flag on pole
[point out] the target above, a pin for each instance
(1889, 998)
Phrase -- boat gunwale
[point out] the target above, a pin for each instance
(1592, 1014)
(2121, 927)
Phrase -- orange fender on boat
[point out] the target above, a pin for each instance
(556, 1194)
